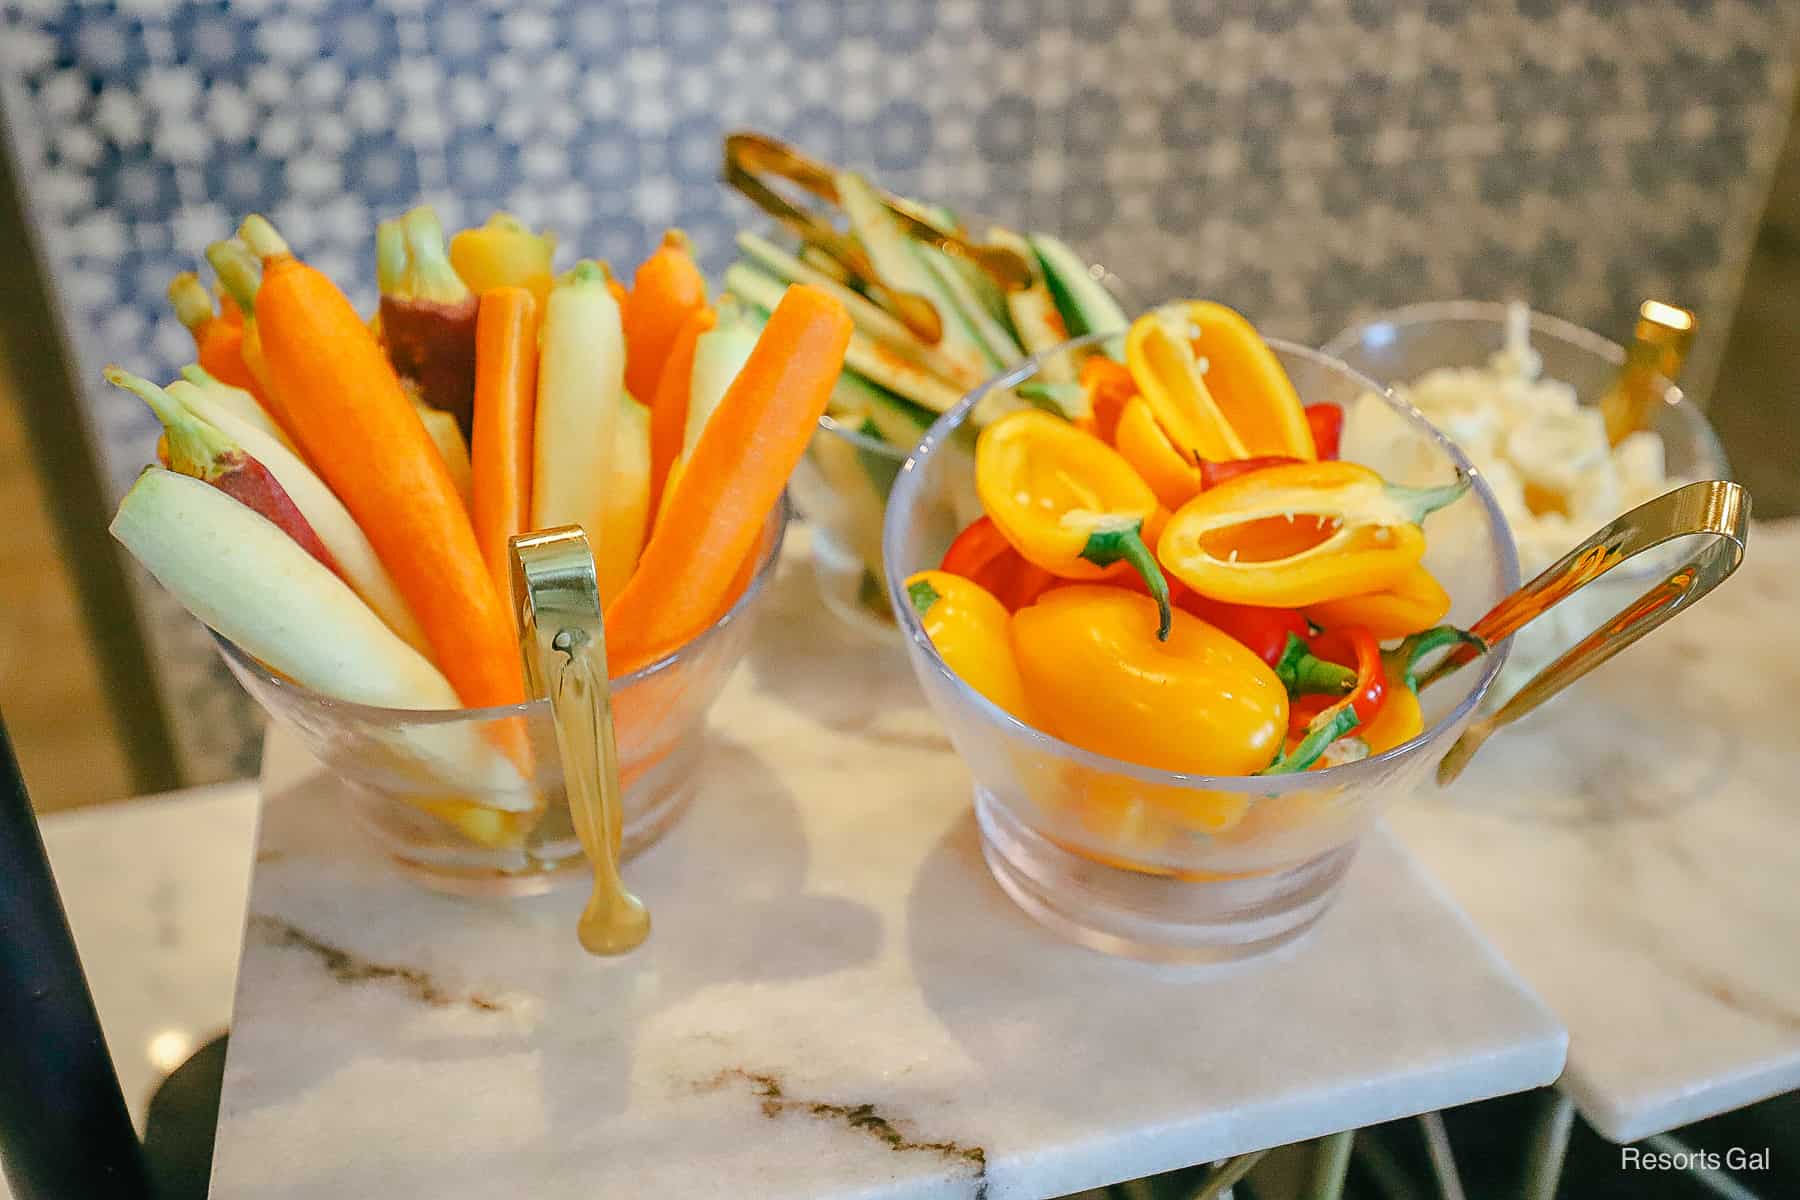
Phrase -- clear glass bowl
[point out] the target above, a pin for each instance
(1397, 347)
(841, 489)
(1133, 860)
(423, 783)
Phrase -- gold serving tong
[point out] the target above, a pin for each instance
(563, 643)
(1717, 509)
(753, 159)
(1659, 346)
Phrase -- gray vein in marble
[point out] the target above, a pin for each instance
(863, 1118)
(347, 968)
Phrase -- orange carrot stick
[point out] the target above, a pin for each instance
(669, 409)
(218, 337)
(241, 275)
(667, 288)
(350, 414)
(617, 291)
(506, 334)
(734, 476)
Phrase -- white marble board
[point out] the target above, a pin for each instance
(1634, 849)
(837, 1000)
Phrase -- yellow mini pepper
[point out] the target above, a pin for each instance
(1414, 602)
(1067, 501)
(504, 253)
(1214, 384)
(1300, 534)
(1197, 702)
(971, 631)
(1145, 445)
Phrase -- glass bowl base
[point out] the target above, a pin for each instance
(1157, 918)
(551, 858)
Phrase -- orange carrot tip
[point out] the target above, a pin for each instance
(193, 304)
(238, 271)
(200, 449)
(256, 233)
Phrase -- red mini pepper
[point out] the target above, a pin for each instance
(1348, 644)
(982, 554)
(1212, 474)
(1264, 630)
(1327, 424)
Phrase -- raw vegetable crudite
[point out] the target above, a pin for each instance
(973, 634)
(666, 291)
(1300, 534)
(504, 253)
(581, 387)
(1067, 501)
(506, 361)
(428, 315)
(1097, 677)
(717, 508)
(347, 409)
(218, 336)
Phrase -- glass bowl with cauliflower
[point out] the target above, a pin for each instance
(1520, 392)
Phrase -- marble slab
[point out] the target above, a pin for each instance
(1634, 849)
(837, 1001)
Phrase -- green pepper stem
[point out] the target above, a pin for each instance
(1107, 547)
(1403, 660)
(1301, 671)
(922, 595)
(1325, 729)
(1419, 503)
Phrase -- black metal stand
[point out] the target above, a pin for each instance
(64, 1129)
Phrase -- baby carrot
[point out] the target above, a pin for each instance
(669, 408)
(218, 338)
(667, 288)
(349, 412)
(506, 359)
(712, 520)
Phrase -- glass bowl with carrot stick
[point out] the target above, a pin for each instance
(359, 586)
(1179, 647)
(941, 302)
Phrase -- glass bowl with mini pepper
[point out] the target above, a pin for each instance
(1178, 650)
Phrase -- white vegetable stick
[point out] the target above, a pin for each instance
(243, 577)
(349, 546)
(237, 400)
(625, 512)
(581, 380)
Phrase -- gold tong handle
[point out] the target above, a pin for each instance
(1659, 346)
(563, 644)
(1717, 509)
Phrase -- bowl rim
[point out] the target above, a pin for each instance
(759, 583)
(1350, 774)
(1494, 312)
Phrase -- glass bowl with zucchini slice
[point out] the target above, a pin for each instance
(941, 302)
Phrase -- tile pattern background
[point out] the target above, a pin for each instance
(1307, 160)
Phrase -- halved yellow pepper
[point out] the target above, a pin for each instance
(1067, 501)
(1198, 702)
(1249, 385)
(971, 630)
(1413, 603)
(1239, 404)
(1139, 437)
(1300, 534)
